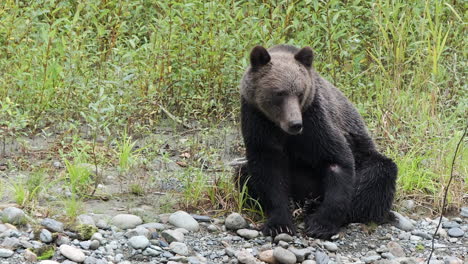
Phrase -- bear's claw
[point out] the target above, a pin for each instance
(318, 230)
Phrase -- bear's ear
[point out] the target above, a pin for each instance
(259, 57)
(305, 56)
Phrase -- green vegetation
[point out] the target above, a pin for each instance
(86, 68)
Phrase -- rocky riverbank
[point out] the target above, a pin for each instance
(184, 238)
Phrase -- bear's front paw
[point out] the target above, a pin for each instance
(318, 229)
(277, 225)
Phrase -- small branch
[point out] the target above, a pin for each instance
(444, 203)
(173, 117)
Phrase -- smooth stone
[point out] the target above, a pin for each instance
(330, 246)
(283, 237)
(309, 261)
(455, 232)
(48, 262)
(138, 231)
(151, 252)
(13, 215)
(371, 259)
(72, 253)
(52, 225)
(388, 255)
(267, 256)
(408, 204)
(301, 254)
(85, 219)
(321, 257)
(284, 256)
(157, 226)
(139, 242)
(402, 222)
(245, 257)
(395, 249)
(11, 243)
(126, 221)
(422, 234)
(453, 260)
(179, 248)
(94, 244)
(62, 239)
(30, 256)
(184, 220)
(202, 218)
(450, 224)
(247, 233)
(6, 253)
(45, 236)
(235, 221)
(464, 211)
(172, 236)
(97, 236)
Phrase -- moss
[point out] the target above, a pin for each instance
(45, 252)
(85, 232)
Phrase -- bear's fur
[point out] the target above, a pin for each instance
(304, 140)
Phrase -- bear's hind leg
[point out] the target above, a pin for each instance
(375, 189)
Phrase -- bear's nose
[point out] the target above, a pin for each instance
(295, 126)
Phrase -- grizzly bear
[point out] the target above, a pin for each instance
(307, 143)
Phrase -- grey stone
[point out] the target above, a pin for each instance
(235, 221)
(464, 211)
(371, 259)
(48, 262)
(422, 234)
(97, 236)
(301, 254)
(202, 218)
(408, 204)
(283, 244)
(11, 243)
(450, 224)
(247, 233)
(52, 225)
(72, 253)
(184, 220)
(172, 236)
(13, 215)
(138, 231)
(94, 244)
(309, 261)
(321, 257)
(85, 219)
(45, 236)
(151, 252)
(455, 232)
(284, 256)
(452, 260)
(157, 226)
(179, 248)
(139, 242)
(387, 255)
(6, 253)
(85, 244)
(330, 246)
(283, 237)
(402, 222)
(62, 239)
(126, 221)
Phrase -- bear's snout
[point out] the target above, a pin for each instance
(295, 127)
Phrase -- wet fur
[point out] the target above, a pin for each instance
(333, 162)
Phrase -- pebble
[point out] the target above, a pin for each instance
(284, 256)
(321, 257)
(172, 236)
(283, 237)
(52, 225)
(139, 242)
(450, 224)
(330, 246)
(6, 253)
(309, 261)
(422, 234)
(184, 220)
(45, 236)
(126, 221)
(48, 262)
(464, 212)
(72, 253)
(371, 259)
(247, 233)
(13, 215)
(395, 249)
(179, 248)
(402, 222)
(267, 256)
(235, 221)
(85, 219)
(453, 260)
(455, 232)
(301, 254)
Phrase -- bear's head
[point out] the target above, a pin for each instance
(279, 83)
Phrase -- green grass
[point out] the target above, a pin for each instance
(127, 65)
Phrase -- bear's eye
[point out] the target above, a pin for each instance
(281, 93)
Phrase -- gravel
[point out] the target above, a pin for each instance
(136, 242)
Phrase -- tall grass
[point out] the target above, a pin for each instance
(403, 64)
